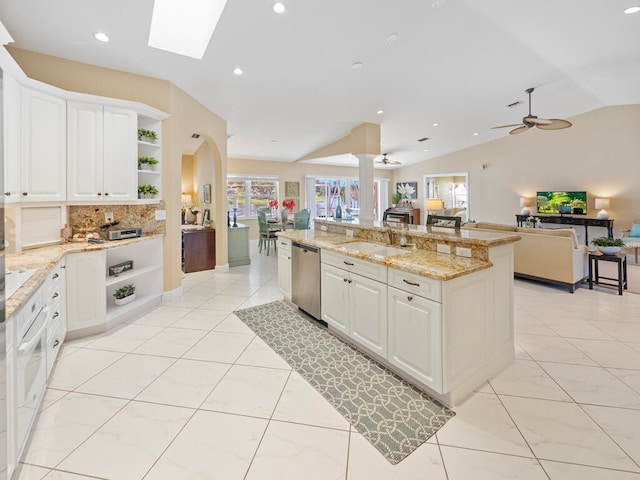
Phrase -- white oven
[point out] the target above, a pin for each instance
(31, 373)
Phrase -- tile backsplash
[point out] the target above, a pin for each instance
(91, 218)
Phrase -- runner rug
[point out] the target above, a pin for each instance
(392, 414)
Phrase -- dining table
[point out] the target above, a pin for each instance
(274, 222)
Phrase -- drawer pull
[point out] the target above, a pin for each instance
(99, 194)
(106, 193)
(350, 281)
(56, 343)
(410, 283)
(288, 258)
(55, 295)
(7, 194)
(55, 315)
(345, 280)
(409, 298)
(283, 244)
(55, 275)
(348, 263)
(25, 194)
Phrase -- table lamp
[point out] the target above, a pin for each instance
(434, 204)
(602, 203)
(524, 203)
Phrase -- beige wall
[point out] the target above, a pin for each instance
(291, 172)
(187, 117)
(186, 184)
(599, 154)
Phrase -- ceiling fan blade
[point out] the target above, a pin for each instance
(536, 121)
(556, 124)
(507, 126)
(521, 129)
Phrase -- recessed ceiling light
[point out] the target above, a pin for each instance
(356, 65)
(475, 134)
(633, 9)
(426, 150)
(392, 38)
(279, 7)
(435, 124)
(274, 141)
(380, 112)
(101, 37)
(238, 71)
(183, 27)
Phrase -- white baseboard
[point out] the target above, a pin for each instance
(222, 268)
(172, 295)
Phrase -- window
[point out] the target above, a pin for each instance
(330, 191)
(247, 193)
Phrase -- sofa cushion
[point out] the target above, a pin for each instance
(635, 230)
(558, 232)
(496, 226)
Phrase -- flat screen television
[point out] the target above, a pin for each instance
(574, 203)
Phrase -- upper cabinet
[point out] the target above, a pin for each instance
(101, 153)
(43, 147)
(11, 107)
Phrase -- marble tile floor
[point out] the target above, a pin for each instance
(189, 392)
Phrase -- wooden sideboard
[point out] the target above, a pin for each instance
(198, 250)
(570, 220)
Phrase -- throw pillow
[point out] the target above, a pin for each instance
(635, 230)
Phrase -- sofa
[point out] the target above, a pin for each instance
(553, 256)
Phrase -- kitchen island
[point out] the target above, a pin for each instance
(443, 321)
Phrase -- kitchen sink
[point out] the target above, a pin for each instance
(374, 249)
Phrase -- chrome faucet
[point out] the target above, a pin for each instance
(387, 232)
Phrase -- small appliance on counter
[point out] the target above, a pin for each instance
(124, 233)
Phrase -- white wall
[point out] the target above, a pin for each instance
(599, 154)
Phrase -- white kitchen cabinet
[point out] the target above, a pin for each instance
(355, 306)
(55, 301)
(12, 159)
(86, 292)
(43, 147)
(368, 313)
(284, 267)
(101, 153)
(415, 337)
(334, 298)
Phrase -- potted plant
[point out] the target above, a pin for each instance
(147, 191)
(395, 199)
(125, 294)
(147, 163)
(147, 135)
(607, 245)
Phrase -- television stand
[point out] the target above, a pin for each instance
(570, 220)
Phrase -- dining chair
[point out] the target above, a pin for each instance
(267, 234)
(444, 221)
(301, 219)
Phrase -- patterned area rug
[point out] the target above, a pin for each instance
(393, 415)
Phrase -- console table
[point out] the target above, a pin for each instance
(569, 220)
(402, 214)
(198, 250)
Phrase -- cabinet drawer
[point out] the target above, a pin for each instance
(284, 244)
(416, 284)
(28, 311)
(368, 269)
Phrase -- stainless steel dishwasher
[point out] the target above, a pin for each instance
(305, 278)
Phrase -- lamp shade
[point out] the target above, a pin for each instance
(602, 203)
(525, 201)
(435, 204)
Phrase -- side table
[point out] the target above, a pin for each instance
(594, 274)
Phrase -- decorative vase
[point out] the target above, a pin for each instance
(285, 215)
(609, 250)
(125, 300)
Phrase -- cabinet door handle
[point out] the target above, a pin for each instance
(106, 193)
(55, 295)
(409, 298)
(350, 281)
(348, 263)
(55, 275)
(288, 258)
(99, 194)
(7, 194)
(55, 315)
(283, 244)
(56, 343)
(411, 283)
(25, 194)
(345, 280)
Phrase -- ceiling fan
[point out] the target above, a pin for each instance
(385, 161)
(533, 121)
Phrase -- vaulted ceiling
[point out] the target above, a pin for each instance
(455, 63)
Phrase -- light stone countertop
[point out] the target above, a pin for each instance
(45, 258)
(427, 263)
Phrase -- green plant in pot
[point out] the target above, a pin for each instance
(607, 245)
(147, 135)
(125, 294)
(395, 198)
(146, 163)
(147, 191)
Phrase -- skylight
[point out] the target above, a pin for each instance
(184, 27)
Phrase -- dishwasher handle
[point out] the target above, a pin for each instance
(305, 248)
